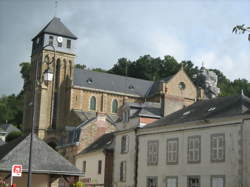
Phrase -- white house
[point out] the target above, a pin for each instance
(206, 144)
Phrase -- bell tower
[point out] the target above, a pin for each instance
(52, 62)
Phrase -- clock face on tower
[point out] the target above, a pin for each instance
(59, 39)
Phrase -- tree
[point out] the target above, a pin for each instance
(80, 66)
(241, 29)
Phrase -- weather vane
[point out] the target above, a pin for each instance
(56, 4)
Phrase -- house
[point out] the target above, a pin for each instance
(204, 144)
(5, 129)
(96, 161)
(47, 164)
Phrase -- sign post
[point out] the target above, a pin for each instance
(16, 171)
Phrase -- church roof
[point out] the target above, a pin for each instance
(111, 82)
(45, 160)
(55, 26)
(207, 109)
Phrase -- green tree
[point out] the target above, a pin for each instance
(80, 66)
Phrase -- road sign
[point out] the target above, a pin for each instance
(16, 171)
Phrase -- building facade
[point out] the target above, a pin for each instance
(205, 144)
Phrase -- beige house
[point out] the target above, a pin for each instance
(96, 162)
(206, 144)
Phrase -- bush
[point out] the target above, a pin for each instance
(13, 135)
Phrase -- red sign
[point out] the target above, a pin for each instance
(16, 170)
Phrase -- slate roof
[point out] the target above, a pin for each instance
(111, 82)
(55, 26)
(102, 143)
(45, 160)
(207, 109)
(9, 128)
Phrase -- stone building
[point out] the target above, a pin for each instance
(75, 107)
(205, 144)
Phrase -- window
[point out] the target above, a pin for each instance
(92, 103)
(151, 181)
(114, 106)
(194, 149)
(84, 166)
(59, 44)
(124, 144)
(125, 116)
(218, 147)
(68, 44)
(99, 166)
(217, 181)
(172, 182)
(193, 181)
(51, 38)
(153, 148)
(172, 151)
(123, 171)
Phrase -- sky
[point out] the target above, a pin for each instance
(200, 31)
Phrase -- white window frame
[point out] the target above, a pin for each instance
(218, 147)
(171, 177)
(194, 147)
(218, 177)
(172, 150)
(153, 152)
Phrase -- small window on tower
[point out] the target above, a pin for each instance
(51, 40)
(68, 44)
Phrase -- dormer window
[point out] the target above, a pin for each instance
(89, 80)
(59, 44)
(68, 44)
(131, 87)
(51, 38)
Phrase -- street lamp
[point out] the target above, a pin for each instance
(47, 76)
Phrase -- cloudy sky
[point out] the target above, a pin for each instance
(195, 30)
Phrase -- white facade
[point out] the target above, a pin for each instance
(91, 170)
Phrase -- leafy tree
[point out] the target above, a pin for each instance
(80, 66)
(13, 135)
(241, 29)
(99, 70)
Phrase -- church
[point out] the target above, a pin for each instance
(71, 108)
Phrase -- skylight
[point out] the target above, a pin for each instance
(186, 113)
(211, 109)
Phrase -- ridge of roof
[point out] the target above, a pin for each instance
(55, 26)
(206, 109)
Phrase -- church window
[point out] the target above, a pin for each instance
(182, 85)
(114, 106)
(92, 103)
(68, 44)
(194, 149)
(51, 38)
(172, 151)
(153, 149)
(84, 164)
(217, 147)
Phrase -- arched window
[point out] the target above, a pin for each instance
(92, 103)
(114, 106)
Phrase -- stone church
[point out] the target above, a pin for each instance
(74, 107)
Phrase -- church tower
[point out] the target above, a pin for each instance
(48, 97)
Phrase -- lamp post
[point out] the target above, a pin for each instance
(47, 76)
